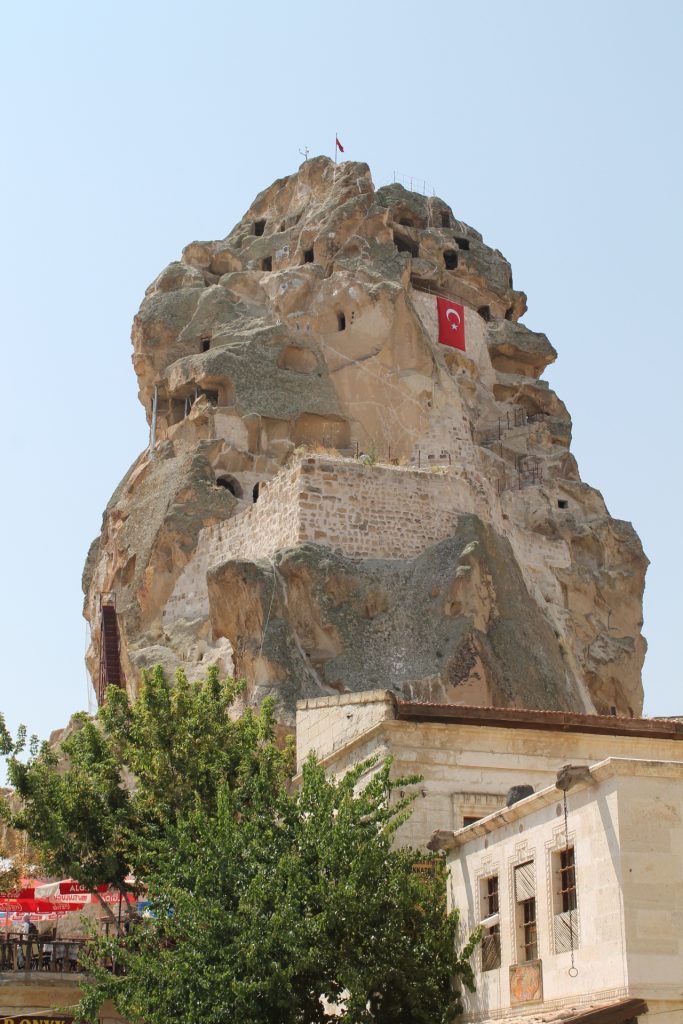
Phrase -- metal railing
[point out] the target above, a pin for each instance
(528, 474)
(517, 418)
(421, 457)
(414, 184)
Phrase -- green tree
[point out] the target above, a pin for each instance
(267, 904)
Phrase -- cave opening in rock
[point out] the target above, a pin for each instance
(341, 322)
(445, 220)
(450, 258)
(485, 313)
(230, 484)
(463, 243)
(308, 256)
(562, 503)
(259, 227)
(205, 344)
(255, 492)
(267, 263)
(404, 244)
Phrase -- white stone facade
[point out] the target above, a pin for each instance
(625, 825)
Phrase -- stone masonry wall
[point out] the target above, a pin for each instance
(325, 724)
(379, 511)
(269, 525)
(357, 510)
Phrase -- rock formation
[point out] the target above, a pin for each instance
(332, 500)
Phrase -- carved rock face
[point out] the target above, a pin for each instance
(420, 523)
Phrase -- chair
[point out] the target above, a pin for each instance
(72, 954)
(45, 956)
(6, 955)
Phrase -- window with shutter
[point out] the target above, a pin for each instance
(566, 921)
(525, 881)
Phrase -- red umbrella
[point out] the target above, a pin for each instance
(28, 889)
(9, 905)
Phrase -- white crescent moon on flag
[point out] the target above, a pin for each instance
(455, 323)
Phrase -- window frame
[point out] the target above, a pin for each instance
(489, 898)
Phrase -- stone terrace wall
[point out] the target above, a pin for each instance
(380, 511)
(357, 510)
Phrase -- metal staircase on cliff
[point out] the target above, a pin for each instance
(110, 656)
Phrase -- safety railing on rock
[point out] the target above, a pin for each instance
(495, 430)
(529, 474)
(414, 184)
(421, 458)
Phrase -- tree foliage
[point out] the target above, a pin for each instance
(268, 903)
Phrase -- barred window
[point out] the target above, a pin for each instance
(529, 945)
(525, 911)
(492, 905)
(567, 879)
(490, 942)
(565, 919)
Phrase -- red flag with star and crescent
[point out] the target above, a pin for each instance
(451, 323)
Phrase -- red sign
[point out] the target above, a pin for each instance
(451, 323)
(115, 897)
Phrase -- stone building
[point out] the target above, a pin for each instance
(583, 914)
(580, 899)
(470, 757)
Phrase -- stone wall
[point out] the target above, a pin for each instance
(269, 525)
(30, 994)
(379, 511)
(356, 510)
(325, 724)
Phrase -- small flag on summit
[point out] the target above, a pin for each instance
(339, 145)
(451, 323)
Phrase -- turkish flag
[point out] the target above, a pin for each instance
(451, 323)
(339, 145)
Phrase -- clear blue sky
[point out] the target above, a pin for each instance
(130, 129)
